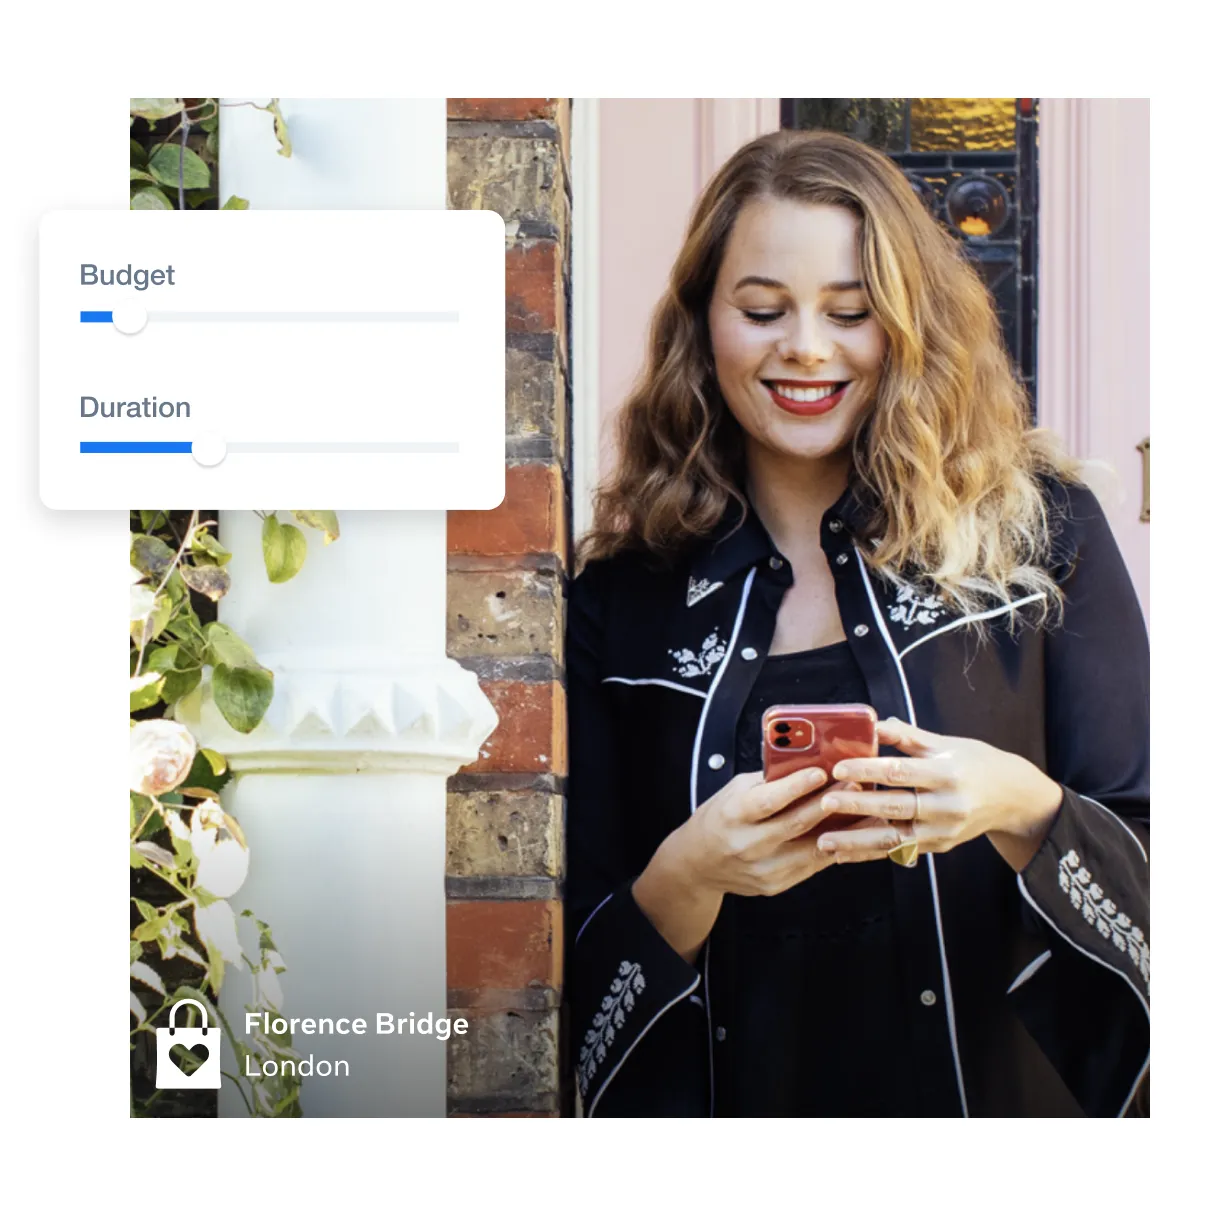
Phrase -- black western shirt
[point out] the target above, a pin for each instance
(1019, 994)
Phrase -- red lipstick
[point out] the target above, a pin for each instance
(806, 409)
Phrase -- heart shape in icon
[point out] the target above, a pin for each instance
(189, 1059)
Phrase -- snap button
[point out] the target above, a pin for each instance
(928, 997)
(776, 563)
(860, 631)
(716, 761)
(720, 1034)
(747, 653)
(835, 525)
(842, 559)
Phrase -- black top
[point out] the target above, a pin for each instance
(1012, 993)
(801, 971)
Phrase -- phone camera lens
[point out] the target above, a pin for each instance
(781, 741)
(783, 728)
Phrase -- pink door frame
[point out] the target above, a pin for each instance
(654, 156)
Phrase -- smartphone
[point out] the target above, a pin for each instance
(817, 736)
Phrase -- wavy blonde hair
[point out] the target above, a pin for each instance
(947, 456)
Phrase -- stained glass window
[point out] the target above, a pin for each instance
(974, 163)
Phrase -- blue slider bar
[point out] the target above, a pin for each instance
(97, 316)
(123, 446)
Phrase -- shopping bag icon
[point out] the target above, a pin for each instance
(203, 1042)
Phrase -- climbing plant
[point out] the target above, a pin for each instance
(175, 145)
(189, 855)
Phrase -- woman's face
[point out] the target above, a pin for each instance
(797, 352)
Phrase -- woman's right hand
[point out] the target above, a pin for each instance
(750, 838)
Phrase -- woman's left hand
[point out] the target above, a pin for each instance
(953, 790)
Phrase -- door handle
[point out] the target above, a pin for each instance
(1142, 448)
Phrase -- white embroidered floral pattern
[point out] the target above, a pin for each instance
(621, 998)
(1091, 901)
(699, 588)
(689, 663)
(911, 609)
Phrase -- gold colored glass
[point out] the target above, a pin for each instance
(963, 124)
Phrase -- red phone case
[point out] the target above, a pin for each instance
(819, 736)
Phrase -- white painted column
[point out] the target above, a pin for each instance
(341, 789)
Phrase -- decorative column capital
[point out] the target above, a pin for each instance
(427, 715)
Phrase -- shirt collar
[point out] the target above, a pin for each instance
(741, 541)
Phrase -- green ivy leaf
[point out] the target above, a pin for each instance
(150, 199)
(204, 775)
(153, 109)
(204, 543)
(139, 154)
(242, 695)
(326, 521)
(162, 658)
(183, 851)
(146, 690)
(166, 160)
(180, 684)
(226, 648)
(153, 625)
(219, 766)
(283, 548)
(211, 581)
(198, 198)
(141, 804)
(136, 952)
(149, 931)
(235, 203)
(215, 968)
(280, 128)
(151, 556)
(138, 175)
(149, 520)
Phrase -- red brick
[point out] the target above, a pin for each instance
(502, 109)
(533, 286)
(529, 520)
(507, 944)
(531, 734)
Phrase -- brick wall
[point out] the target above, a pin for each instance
(506, 571)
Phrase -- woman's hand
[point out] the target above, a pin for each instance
(750, 838)
(965, 788)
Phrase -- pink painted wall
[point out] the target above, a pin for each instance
(1094, 300)
(648, 181)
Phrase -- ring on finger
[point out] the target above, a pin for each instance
(907, 850)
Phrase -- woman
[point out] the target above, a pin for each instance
(827, 492)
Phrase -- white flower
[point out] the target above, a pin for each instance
(161, 755)
(216, 925)
(223, 861)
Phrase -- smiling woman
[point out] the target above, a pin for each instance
(806, 343)
(829, 494)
